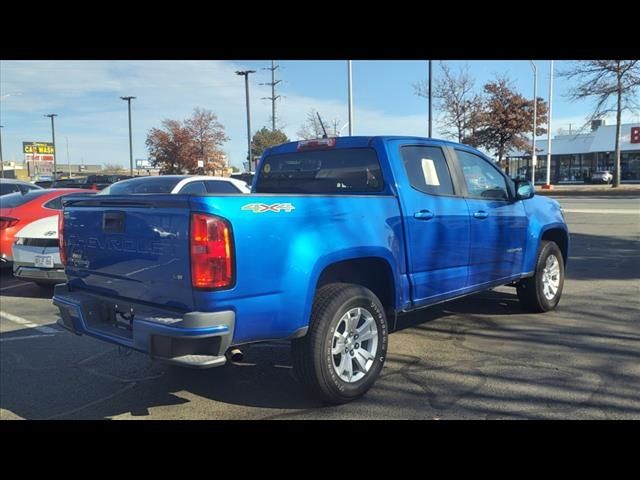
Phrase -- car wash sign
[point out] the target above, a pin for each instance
(39, 157)
(43, 151)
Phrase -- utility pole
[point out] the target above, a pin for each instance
(128, 100)
(534, 157)
(246, 74)
(549, 125)
(1, 159)
(273, 96)
(350, 87)
(430, 111)
(53, 139)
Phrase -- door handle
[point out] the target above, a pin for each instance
(481, 214)
(423, 215)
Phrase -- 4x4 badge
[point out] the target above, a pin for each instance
(263, 207)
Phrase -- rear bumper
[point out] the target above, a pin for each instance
(194, 339)
(43, 275)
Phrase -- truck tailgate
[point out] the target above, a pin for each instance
(132, 247)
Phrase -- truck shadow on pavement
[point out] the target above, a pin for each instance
(475, 357)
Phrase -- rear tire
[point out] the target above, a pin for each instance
(344, 350)
(542, 292)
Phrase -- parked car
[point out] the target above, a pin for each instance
(10, 185)
(18, 209)
(338, 237)
(68, 183)
(193, 184)
(602, 176)
(35, 252)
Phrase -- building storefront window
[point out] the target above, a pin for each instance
(630, 166)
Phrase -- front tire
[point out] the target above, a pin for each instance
(343, 353)
(542, 292)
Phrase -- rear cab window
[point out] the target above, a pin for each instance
(331, 171)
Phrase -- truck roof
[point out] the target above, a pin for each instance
(357, 142)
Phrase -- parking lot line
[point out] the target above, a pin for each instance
(14, 286)
(25, 337)
(26, 323)
(603, 210)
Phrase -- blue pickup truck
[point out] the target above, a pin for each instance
(338, 237)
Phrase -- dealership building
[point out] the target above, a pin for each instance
(574, 157)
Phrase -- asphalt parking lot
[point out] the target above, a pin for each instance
(475, 358)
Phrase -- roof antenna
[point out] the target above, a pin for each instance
(322, 125)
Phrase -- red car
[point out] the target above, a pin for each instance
(17, 210)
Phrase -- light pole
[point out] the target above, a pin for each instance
(53, 137)
(535, 118)
(430, 71)
(548, 184)
(350, 87)
(128, 100)
(245, 74)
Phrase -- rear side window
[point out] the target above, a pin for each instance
(56, 203)
(195, 188)
(427, 169)
(14, 200)
(341, 171)
(218, 186)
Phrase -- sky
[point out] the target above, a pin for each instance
(86, 97)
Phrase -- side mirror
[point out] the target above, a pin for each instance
(524, 190)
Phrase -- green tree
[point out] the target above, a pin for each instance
(265, 138)
(505, 120)
(613, 84)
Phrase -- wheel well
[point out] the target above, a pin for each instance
(559, 236)
(372, 272)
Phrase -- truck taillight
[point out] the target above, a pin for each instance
(316, 144)
(211, 252)
(61, 245)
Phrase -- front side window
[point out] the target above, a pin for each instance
(427, 169)
(483, 180)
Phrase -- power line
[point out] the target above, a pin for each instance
(273, 96)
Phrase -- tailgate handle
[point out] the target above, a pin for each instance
(113, 222)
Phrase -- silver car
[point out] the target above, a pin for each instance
(36, 256)
(11, 185)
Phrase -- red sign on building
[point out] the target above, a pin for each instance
(635, 134)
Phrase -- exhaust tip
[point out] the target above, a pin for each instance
(235, 355)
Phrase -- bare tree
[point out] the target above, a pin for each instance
(614, 84)
(455, 98)
(311, 128)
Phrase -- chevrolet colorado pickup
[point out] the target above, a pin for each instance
(337, 238)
